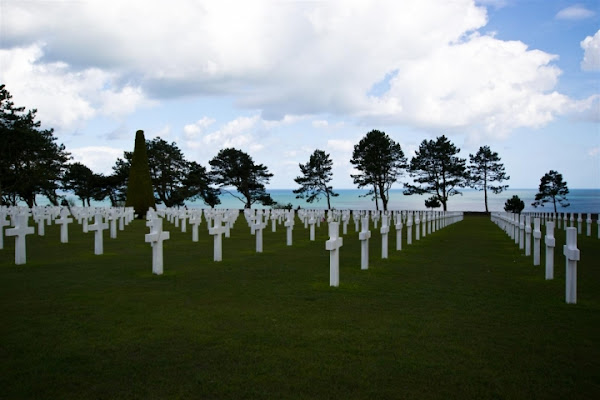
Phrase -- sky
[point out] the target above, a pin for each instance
(279, 79)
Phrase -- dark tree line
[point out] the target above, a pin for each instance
(33, 163)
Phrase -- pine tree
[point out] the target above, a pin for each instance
(552, 189)
(514, 205)
(486, 168)
(316, 175)
(437, 170)
(140, 194)
(379, 161)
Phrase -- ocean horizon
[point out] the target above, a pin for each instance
(471, 200)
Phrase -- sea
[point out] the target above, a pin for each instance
(581, 201)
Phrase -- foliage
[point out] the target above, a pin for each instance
(380, 161)
(514, 205)
(168, 169)
(197, 185)
(234, 168)
(316, 175)
(115, 185)
(83, 183)
(433, 202)
(485, 167)
(437, 170)
(174, 179)
(282, 206)
(552, 189)
(140, 194)
(31, 162)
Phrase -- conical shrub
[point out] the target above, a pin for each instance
(140, 194)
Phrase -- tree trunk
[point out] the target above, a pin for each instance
(384, 199)
(485, 197)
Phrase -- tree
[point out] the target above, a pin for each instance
(140, 194)
(31, 162)
(82, 182)
(485, 167)
(514, 205)
(316, 174)
(115, 185)
(174, 179)
(234, 168)
(437, 170)
(197, 184)
(432, 202)
(379, 161)
(552, 189)
(168, 169)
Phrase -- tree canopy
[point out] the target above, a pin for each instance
(485, 167)
(514, 205)
(316, 175)
(379, 161)
(234, 168)
(83, 183)
(31, 162)
(552, 189)
(436, 170)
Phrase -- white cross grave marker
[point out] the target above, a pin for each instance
(571, 253)
(156, 238)
(550, 243)
(528, 235)
(64, 222)
(364, 236)
(217, 231)
(417, 227)
(258, 231)
(195, 221)
(311, 221)
(20, 231)
(409, 218)
(385, 229)
(537, 235)
(99, 228)
(289, 224)
(333, 245)
(399, 232)
(588, 224)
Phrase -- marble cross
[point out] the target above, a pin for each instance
(20, 231)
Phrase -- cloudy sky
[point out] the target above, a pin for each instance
(281, 78)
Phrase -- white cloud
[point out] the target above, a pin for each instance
(575, 12)
(99, 159)
(340, 145)
(64, 97)
(234, 133)
(287, 59)
(320, 123)
(191, 131)
(591, 55)
(479, 83)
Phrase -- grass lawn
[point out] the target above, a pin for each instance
(459, 314)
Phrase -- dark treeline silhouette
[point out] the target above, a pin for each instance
(32, 163)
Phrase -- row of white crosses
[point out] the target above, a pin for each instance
(565, 220)
(61, 216)
(519, 228)
(335, 242)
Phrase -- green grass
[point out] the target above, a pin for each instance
(459, 314)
